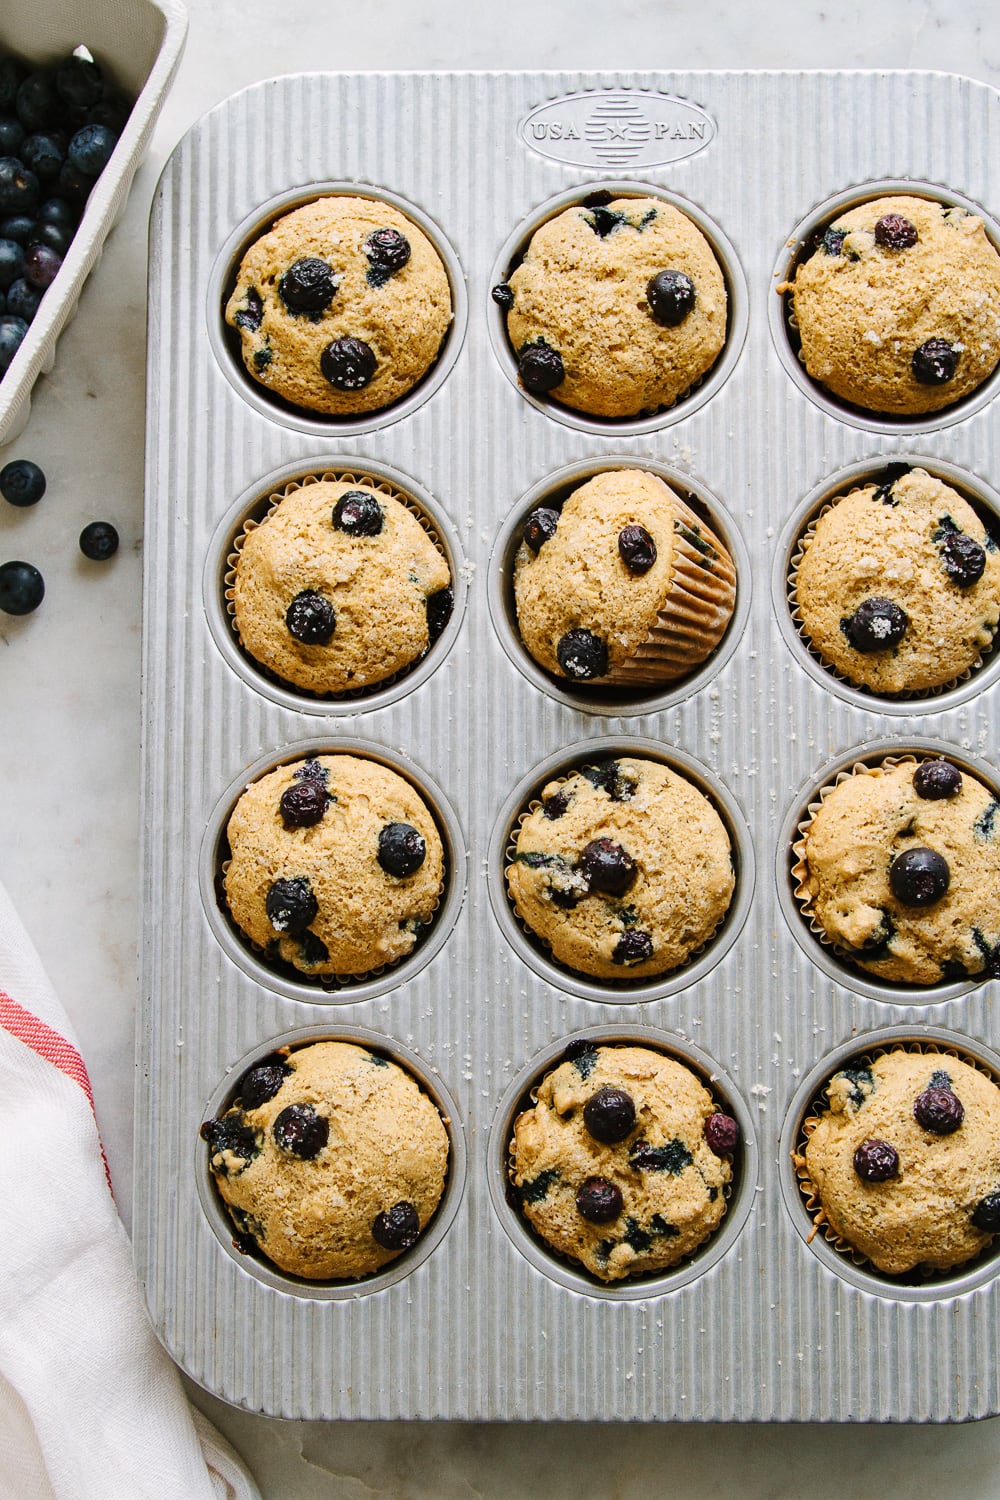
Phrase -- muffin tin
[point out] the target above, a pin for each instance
(479, 1321)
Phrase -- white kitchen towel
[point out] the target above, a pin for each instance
(91, 1406)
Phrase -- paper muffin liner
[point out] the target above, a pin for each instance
(270, 504)
(696, 613)
(810, 1194)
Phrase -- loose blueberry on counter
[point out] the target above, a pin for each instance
(633, 947)
(540, 527)
(261, 1082)
(938, 1110)
(986, 1214)
(962, 558)
(397, 1228)
(919, 877)
(540, 368)
(300, 1131)
(291, 905)
(303, 804)
(12, 332)
(894, 232)
(439, 607)
(310, 618)
(229, 1136)
(99, 541)
(401, 849)
(608, 867)
(609, 1115)
(358, 513)
(387, 251)
(348, 364)
(636, 548)
(936, 779)
(22, 588)
(671, 297)
(22, 482)
(598, 1200)
(934, 362)
(721, 1133)
(503, 296)
(876, 625)
(581, 655)
(876, 1161)
(308, 286)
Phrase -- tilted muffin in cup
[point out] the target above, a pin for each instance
(341, 306)
(624, 585)
(898, 307)
(617, 308)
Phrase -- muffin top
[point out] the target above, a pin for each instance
(622, 1160)
(906, 1160)
(898, 587)
(341, 306)
(617, 309)
(624, 584)
(331, 1160)
(901, 870)
(336, 865)
(624, 869)
(898, 309)
(339, 587)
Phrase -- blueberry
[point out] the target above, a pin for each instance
(607, 867)
(934, 362)
(57, 211)
(12, 331)
(22, 482)
(401, 849)
(291, 905)
(607, 776)
(581, 655)
(37, 101)
(609, 1115)
(113, 111)
(90, 149)
(99, 541)
(721, 1133)
(962, 558)
(261, 1082)
(671, 296)
(540, 527)
(308, 286)
(12, 75)
(251, 314)
(833, 241)
(79, 81)
(74, 184)
(598, 1200)
(387, 251)
(540, 368)
(396, 1228)
(876, 1161)
(12, 133)
(555, 806)
(893, 232)
(934, 779)
(919, 877)
(633, 947)
(43, 153)
(41, 265)
(358, 513)
(439, 607)
(503, 296)
(310, 618)
(876, 625)
(18, 227)
(11, 262)
(986, 1214)
(938, 1110)
(57, 237)
(348, 364)
(229, 1136)
(636, 548)
(672, 1157)
(300, 1131)
(22, 588)
(603, 220)
(303, 804)
(20, 192)
(22, 303)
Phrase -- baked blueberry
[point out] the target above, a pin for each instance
(291, 905)
(876, 625)
(348, 364)
(358, 513)
(396, 1228)
(609, 1115)
(894, 232)
(938, 1110)
(261, 1082)
(832, 241)
(503, 296)
(633, 947)
(934, 362)
(22, 588)
(671, 296)
(540, 527)
(439, 607)
(581, 655)
(99, 541)
(598, 1200)
(22, 482)
(936, 779)
(300, 1131)
(401, 849)
(986, 1214)
(303, 804)
(553, 807)
(963, 559)
(308, 286)
(310, 618)
(721, 1133)
(230, 1136)
(540, 368)
(387, 251)
(607, 867)
(636, 548)
(876, 1161)
(919, 877)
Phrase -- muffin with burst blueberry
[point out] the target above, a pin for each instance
(331, 1160)
(617, 308)
(897, 867)
(623, 1160)
(902, 1162)
(897, 585)
(898, 307)
(341, 306)
(339, 587)
(623, 870)
(335, 865)
(623, 585)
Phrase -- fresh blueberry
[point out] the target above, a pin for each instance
(41, 265)
(18, 227)
(633, 947)
(22, 303)
(986, 1214)
(11, 262)
(919, 877)
(721, 1133)
(57, 211)
(358, 513)
(540, 368)
(308, 286)
(503, 296)
(261, 1082)
(401, 849)
(79, 81)
(893, 232)
(291, 905)
(607, 867)
(938, 1110)
(876, 625)
(300, 1131)
(396, 1228)
(57, 237)
(962, 558)
(37, 101)
(12, 331)
(598, 1200)
(348, 364)
(439, 607)
(671, 297)
(113, 110)
(74, 184)
(303, 804)
(876, 1161)
(99, 541)
(12, 74)
(581, 655)
(636, 548)
(20, 192)
(22, 588)
(609, 1115)
(90, 149)
(540, 527)
(387, 251)
(935, 779)
(22, 482)
(934, 362)
(12, 133)
(310, 618)
(43, 153)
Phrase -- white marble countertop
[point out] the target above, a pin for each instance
(69, 703)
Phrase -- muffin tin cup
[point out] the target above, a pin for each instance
(264, 1271)
(803, 1206)
(567, 1273)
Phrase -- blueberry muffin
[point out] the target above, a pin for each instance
(623, 869)
(898, 308)
(331, 1160)
(899, 869)
(904, 1162)
(341, 306)
(617, 308)
(335, 866)
(622, 1161)
(339, 587)
(624, 585)
(898, 585)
